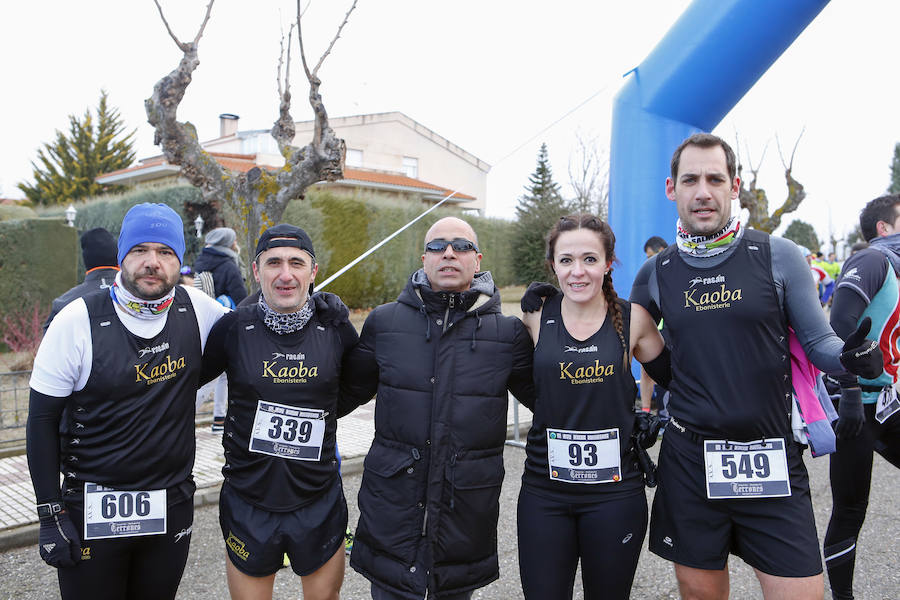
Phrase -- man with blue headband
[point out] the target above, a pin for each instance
(112, 409)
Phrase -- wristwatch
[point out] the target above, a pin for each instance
(48, 509)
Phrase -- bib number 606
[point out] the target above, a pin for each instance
(126, 506)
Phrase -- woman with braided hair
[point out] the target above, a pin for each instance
(582, 494)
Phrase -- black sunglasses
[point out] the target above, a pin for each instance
(459, 245)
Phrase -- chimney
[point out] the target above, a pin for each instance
(228, 124)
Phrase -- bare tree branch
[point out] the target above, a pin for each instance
(755, 200)
(205, 21)
(181, 46)
(335, 39)
(258, 198)
(283, 130)
(588, 176)
(179, 140)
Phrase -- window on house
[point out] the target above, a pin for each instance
(411, 167)
(354, 157)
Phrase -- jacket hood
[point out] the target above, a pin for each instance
(483, 296)
(480, 299)
(209, 258)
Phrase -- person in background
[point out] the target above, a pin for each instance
(648, 389)
(220, 259)
(869, 417)
(187, 276)
(98, 252)
(654, 246)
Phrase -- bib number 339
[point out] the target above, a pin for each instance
(288, 431)
(755, 469)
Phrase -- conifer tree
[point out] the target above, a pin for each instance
(895, 171)
(68, 167)
(538, 210)
(803, 234)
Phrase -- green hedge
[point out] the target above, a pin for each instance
(108, 212)
(9, 212)
(343, 228)
(38, 262)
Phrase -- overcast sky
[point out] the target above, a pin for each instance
(486, 75)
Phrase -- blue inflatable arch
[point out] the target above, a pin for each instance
(704, 65)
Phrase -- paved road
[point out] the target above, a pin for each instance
(23, 576)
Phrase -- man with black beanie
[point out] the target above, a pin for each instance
(99, 250)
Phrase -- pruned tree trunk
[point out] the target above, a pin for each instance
(258, 197)
(754, 198)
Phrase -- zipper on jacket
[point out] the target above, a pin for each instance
(452, 479)
(424, 520)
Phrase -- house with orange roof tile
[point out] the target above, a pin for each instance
(388, 153)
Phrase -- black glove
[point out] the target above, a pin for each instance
(329, 308)
(850, 414)
(534, 296)
(646, 428)
(58, 541)
(861, 356)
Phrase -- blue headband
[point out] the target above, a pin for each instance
(151, 223)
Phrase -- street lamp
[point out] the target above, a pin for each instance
(198, 225)
(70, 215)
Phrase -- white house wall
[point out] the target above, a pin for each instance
(386, 138)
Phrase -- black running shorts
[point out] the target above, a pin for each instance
(257, 539)
(775, 535)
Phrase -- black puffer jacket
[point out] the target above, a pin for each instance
(429, 500)
(95, 279)
(226, 275)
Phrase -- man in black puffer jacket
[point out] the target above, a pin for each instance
(441, 358)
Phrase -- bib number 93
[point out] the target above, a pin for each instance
(585, 455)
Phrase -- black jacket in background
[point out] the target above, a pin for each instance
(226, 275)
(95, 279)
(429, 501)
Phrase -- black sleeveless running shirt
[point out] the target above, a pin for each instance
(731, 370)
(300, 369)
(582, 386)
(132, 426)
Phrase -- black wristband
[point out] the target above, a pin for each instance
(660, 368)
(49, 509)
